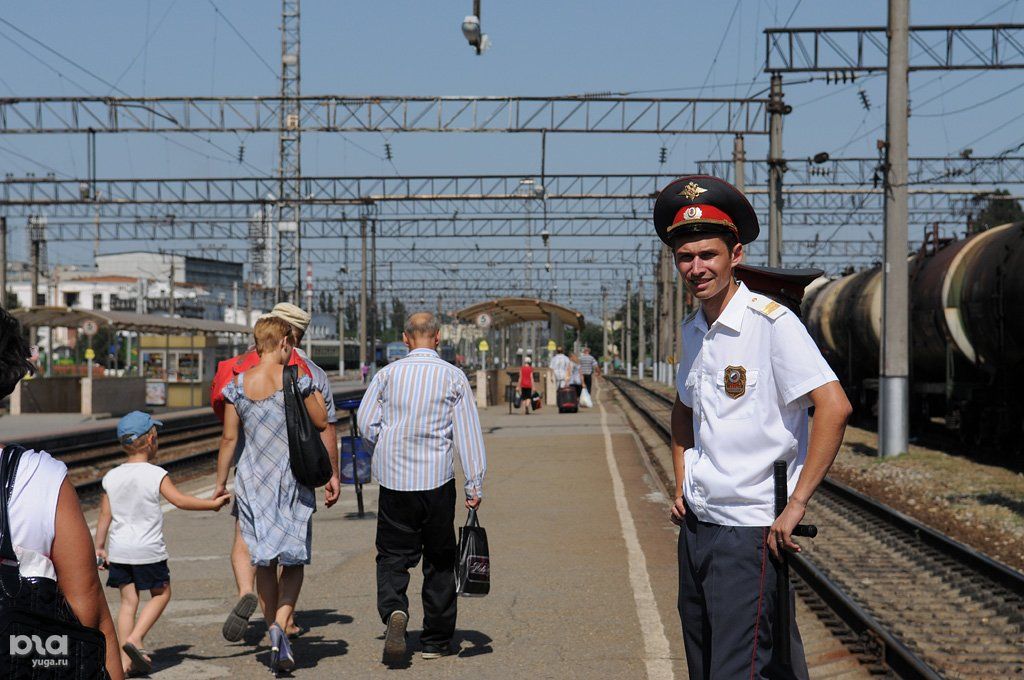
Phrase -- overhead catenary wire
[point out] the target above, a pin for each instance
(114, 87)
(243, 38)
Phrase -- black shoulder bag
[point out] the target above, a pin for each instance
(44, 636)
(306, 451)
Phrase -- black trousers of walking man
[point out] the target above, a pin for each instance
(411, 524)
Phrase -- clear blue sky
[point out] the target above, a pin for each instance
(187, 47)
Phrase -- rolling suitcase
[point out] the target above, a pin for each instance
(567, 400)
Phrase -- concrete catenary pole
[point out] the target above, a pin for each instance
(629, 328)
(739, 159)
(171, 291)
(34, 236)
(3, 261)
(666, 333)
(341, 332)
(642, 336)
(604, 328)
(894, 410)
(656, 308)
(362, 297)
(776, 166)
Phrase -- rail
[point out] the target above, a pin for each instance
(971, 581)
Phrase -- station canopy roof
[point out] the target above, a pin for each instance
(65, 317)
(512, 310)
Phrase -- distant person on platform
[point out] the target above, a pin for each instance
(559, 365)
(575, 380)
(227, 371)
(415, 415)
(749, 372)
(526, 385)
(588, 369)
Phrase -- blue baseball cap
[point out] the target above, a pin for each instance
(134, 425)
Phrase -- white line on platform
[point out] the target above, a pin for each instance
(656, 657)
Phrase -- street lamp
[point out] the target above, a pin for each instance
(471, 30)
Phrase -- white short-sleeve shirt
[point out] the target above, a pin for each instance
(746, 379)
(33, 510)
(137, 528)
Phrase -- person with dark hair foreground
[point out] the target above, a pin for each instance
(47, 527)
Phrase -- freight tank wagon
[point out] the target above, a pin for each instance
(966, 335)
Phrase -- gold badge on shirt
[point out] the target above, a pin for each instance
(735, 381)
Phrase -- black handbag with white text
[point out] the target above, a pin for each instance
(473, 575)
(45, 638)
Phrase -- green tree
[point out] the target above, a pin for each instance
(591, 336)
(994, 212)
(398, 315)
(10, 300)
(620, 314)
(351, 317)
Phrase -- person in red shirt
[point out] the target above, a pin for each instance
(526, 384)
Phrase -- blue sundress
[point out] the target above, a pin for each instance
(275, 512)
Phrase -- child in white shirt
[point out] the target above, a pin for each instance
(129, 534)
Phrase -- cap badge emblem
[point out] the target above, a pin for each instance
(692, 191)
(735, 381)
(692, 213)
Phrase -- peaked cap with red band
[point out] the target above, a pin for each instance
(704, 204)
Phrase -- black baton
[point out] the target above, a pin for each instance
(783, 616)
(782, 613)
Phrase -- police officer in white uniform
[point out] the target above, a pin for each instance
(748, 374)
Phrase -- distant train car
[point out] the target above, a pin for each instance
(966, 331)
(395, 351)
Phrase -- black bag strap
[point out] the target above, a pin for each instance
(471, 519)
(290, 377)
(10, 575)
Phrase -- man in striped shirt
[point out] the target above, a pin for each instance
(414, 415)
(588, 367)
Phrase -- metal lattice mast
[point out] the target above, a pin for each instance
(289, 216)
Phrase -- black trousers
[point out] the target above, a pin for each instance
(588, 381)
(411, 524)
(727, 604)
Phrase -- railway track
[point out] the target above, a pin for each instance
(930, 606)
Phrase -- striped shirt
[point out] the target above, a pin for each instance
(414, 414)
(587, 363)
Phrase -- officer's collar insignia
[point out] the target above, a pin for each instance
(692, 191)
(735, 381)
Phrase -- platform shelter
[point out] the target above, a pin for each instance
(499, 318)
(171, 362)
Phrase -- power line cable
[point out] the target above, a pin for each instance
(114, 87)
(39, 59)
(145, 43)
(243, 39)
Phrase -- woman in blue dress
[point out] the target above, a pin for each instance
(275, 512)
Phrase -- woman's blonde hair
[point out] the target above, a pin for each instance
(268, 333)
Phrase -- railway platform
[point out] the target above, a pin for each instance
(584, 572)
